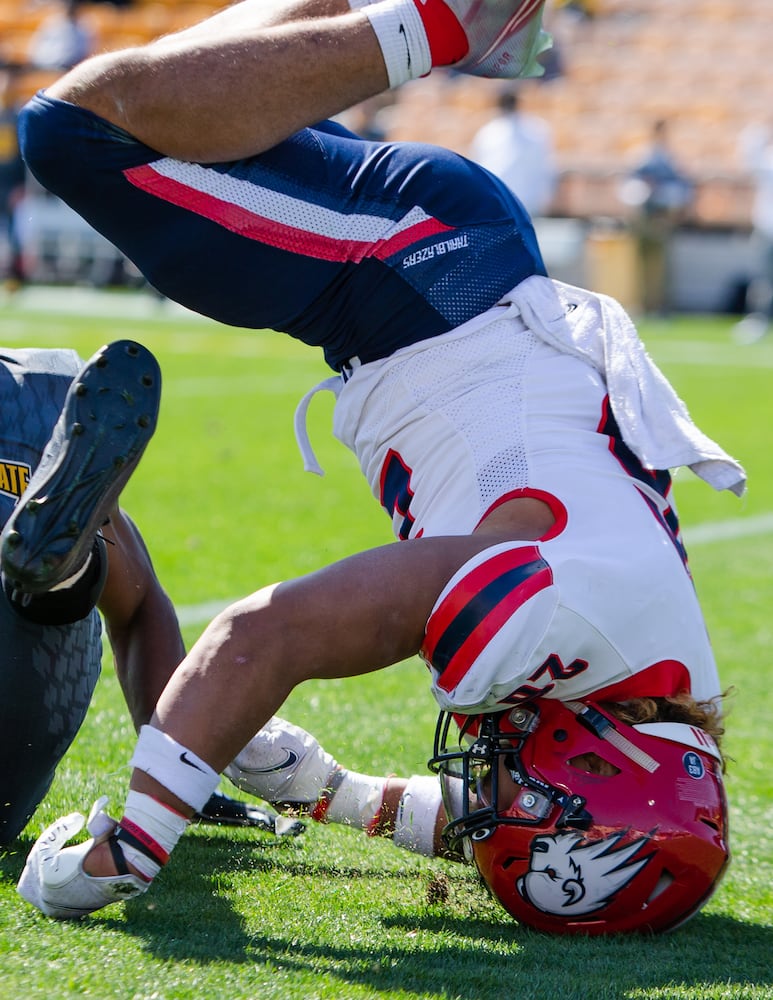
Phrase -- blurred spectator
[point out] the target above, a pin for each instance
(62, 40)
(584, 9)
(518, 148)
(11, 184)
(660, 195)
(756, 150)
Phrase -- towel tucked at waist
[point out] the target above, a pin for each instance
(653, 420)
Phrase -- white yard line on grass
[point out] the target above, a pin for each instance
(723, 531)
(76, 301)
(701, 534)
(707, 354)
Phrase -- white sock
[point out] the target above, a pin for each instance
(357, 800)
(402, 38)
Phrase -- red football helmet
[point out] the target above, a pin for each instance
(580, 824)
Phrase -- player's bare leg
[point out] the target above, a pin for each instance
(248, 77)
(231, 88)
(351, 618)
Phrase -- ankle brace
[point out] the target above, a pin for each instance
(175, 767)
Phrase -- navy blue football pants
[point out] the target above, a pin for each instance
(47, 678)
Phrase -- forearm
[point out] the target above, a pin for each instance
(146, 651)
(284, 764)
(140, 620)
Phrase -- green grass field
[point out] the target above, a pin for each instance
(224, 503)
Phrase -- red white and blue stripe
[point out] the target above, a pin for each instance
(477, 607)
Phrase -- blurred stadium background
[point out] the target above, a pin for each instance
(618, 66)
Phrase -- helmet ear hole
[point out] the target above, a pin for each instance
(592, 763)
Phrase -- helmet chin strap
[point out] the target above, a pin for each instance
(600, 726)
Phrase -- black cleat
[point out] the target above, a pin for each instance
(109, 415)
(223, 810)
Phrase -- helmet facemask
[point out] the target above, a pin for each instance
(486, 800)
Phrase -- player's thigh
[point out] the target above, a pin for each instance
(367, 611)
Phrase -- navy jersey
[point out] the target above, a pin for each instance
(354, 246)
(33, 385)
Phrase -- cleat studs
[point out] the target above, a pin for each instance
(101, 362)
(143, 421)
(13, 540)
(77, 429)
(80, 389)
(132, 350)
(147, 380)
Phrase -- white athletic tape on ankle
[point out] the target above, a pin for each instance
(175, 767)
(155, 826)
(402, 38)
(417, 815)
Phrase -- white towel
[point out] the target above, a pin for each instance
(653, 420)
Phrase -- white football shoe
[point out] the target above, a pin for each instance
(282, 763)
(53, 879)
(505, 37)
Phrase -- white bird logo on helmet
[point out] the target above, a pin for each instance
(570, 876)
